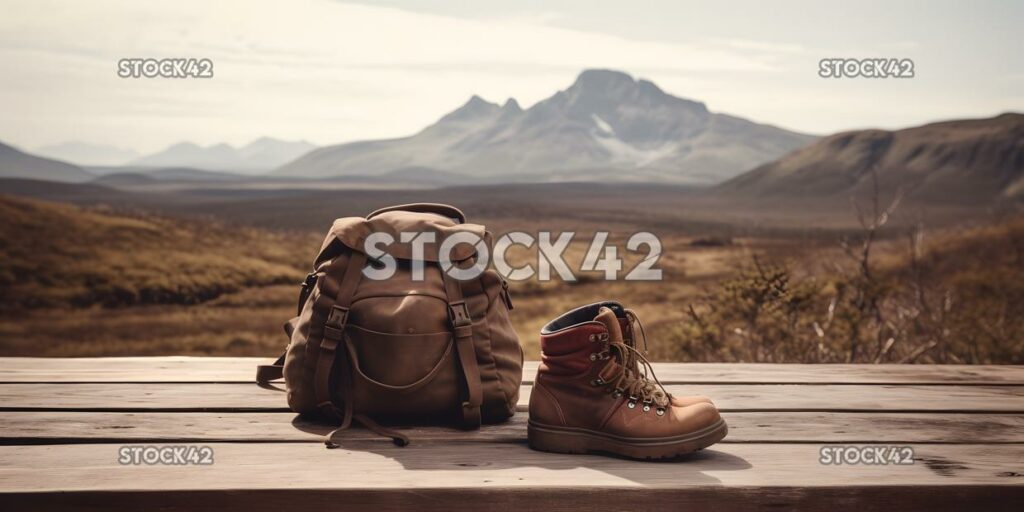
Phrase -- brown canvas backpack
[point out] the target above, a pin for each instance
(433, 350)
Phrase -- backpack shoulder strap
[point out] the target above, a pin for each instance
(462, 329)
(334, 329)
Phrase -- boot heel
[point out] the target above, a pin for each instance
(556, 442)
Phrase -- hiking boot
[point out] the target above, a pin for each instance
(593, 393)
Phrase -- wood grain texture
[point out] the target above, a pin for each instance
(262, 427)
(453, 465)
(243, 370)
(63, 421)
(126, 397)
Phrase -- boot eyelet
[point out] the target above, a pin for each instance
(616, 394)
(631, 405)
(597, 382)
(647, 408)
(661, 411)
(593, 357)
(593, 338)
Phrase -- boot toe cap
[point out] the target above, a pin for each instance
(686, 401)
(698, 416)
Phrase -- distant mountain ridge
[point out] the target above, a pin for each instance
(606, 125)
(84, 153)
(15, 163)
(259, 155)
(163, 174)
(970, 160)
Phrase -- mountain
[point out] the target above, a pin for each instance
(605, 126)
(15, 163)
(83, 153)
(259, 155)
(267, 153)
(188, 154)
(958, 161)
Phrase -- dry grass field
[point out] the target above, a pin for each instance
(211, 280)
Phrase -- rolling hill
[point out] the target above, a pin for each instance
(63, 255)
(975, 161)
(15, 163)
(605, 126)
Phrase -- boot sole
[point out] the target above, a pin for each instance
(554, 439)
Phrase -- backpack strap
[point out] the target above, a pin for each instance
(462, 329)
(443, 210)
(268, 372)
(334, 330)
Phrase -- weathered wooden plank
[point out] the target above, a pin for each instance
(242, 369)
(754, 427)
(130, 369)
(60, 455)
(863, 498)
(783, 397)
(360, 465)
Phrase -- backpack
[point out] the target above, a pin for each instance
(436, 350)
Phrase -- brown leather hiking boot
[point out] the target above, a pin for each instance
(592, 393)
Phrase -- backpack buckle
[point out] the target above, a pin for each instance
(458, 314)
(309, 281)
(338, 317)
(505, 295)
(307, 287)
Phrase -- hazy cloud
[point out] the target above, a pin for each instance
(330, 71)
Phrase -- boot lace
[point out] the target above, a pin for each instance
(634, 376)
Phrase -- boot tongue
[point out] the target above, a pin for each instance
(611, 322)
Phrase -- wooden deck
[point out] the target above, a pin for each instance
(63, 423)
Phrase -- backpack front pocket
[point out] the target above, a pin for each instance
(391, 372)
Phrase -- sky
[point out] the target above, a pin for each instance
(329, 71)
